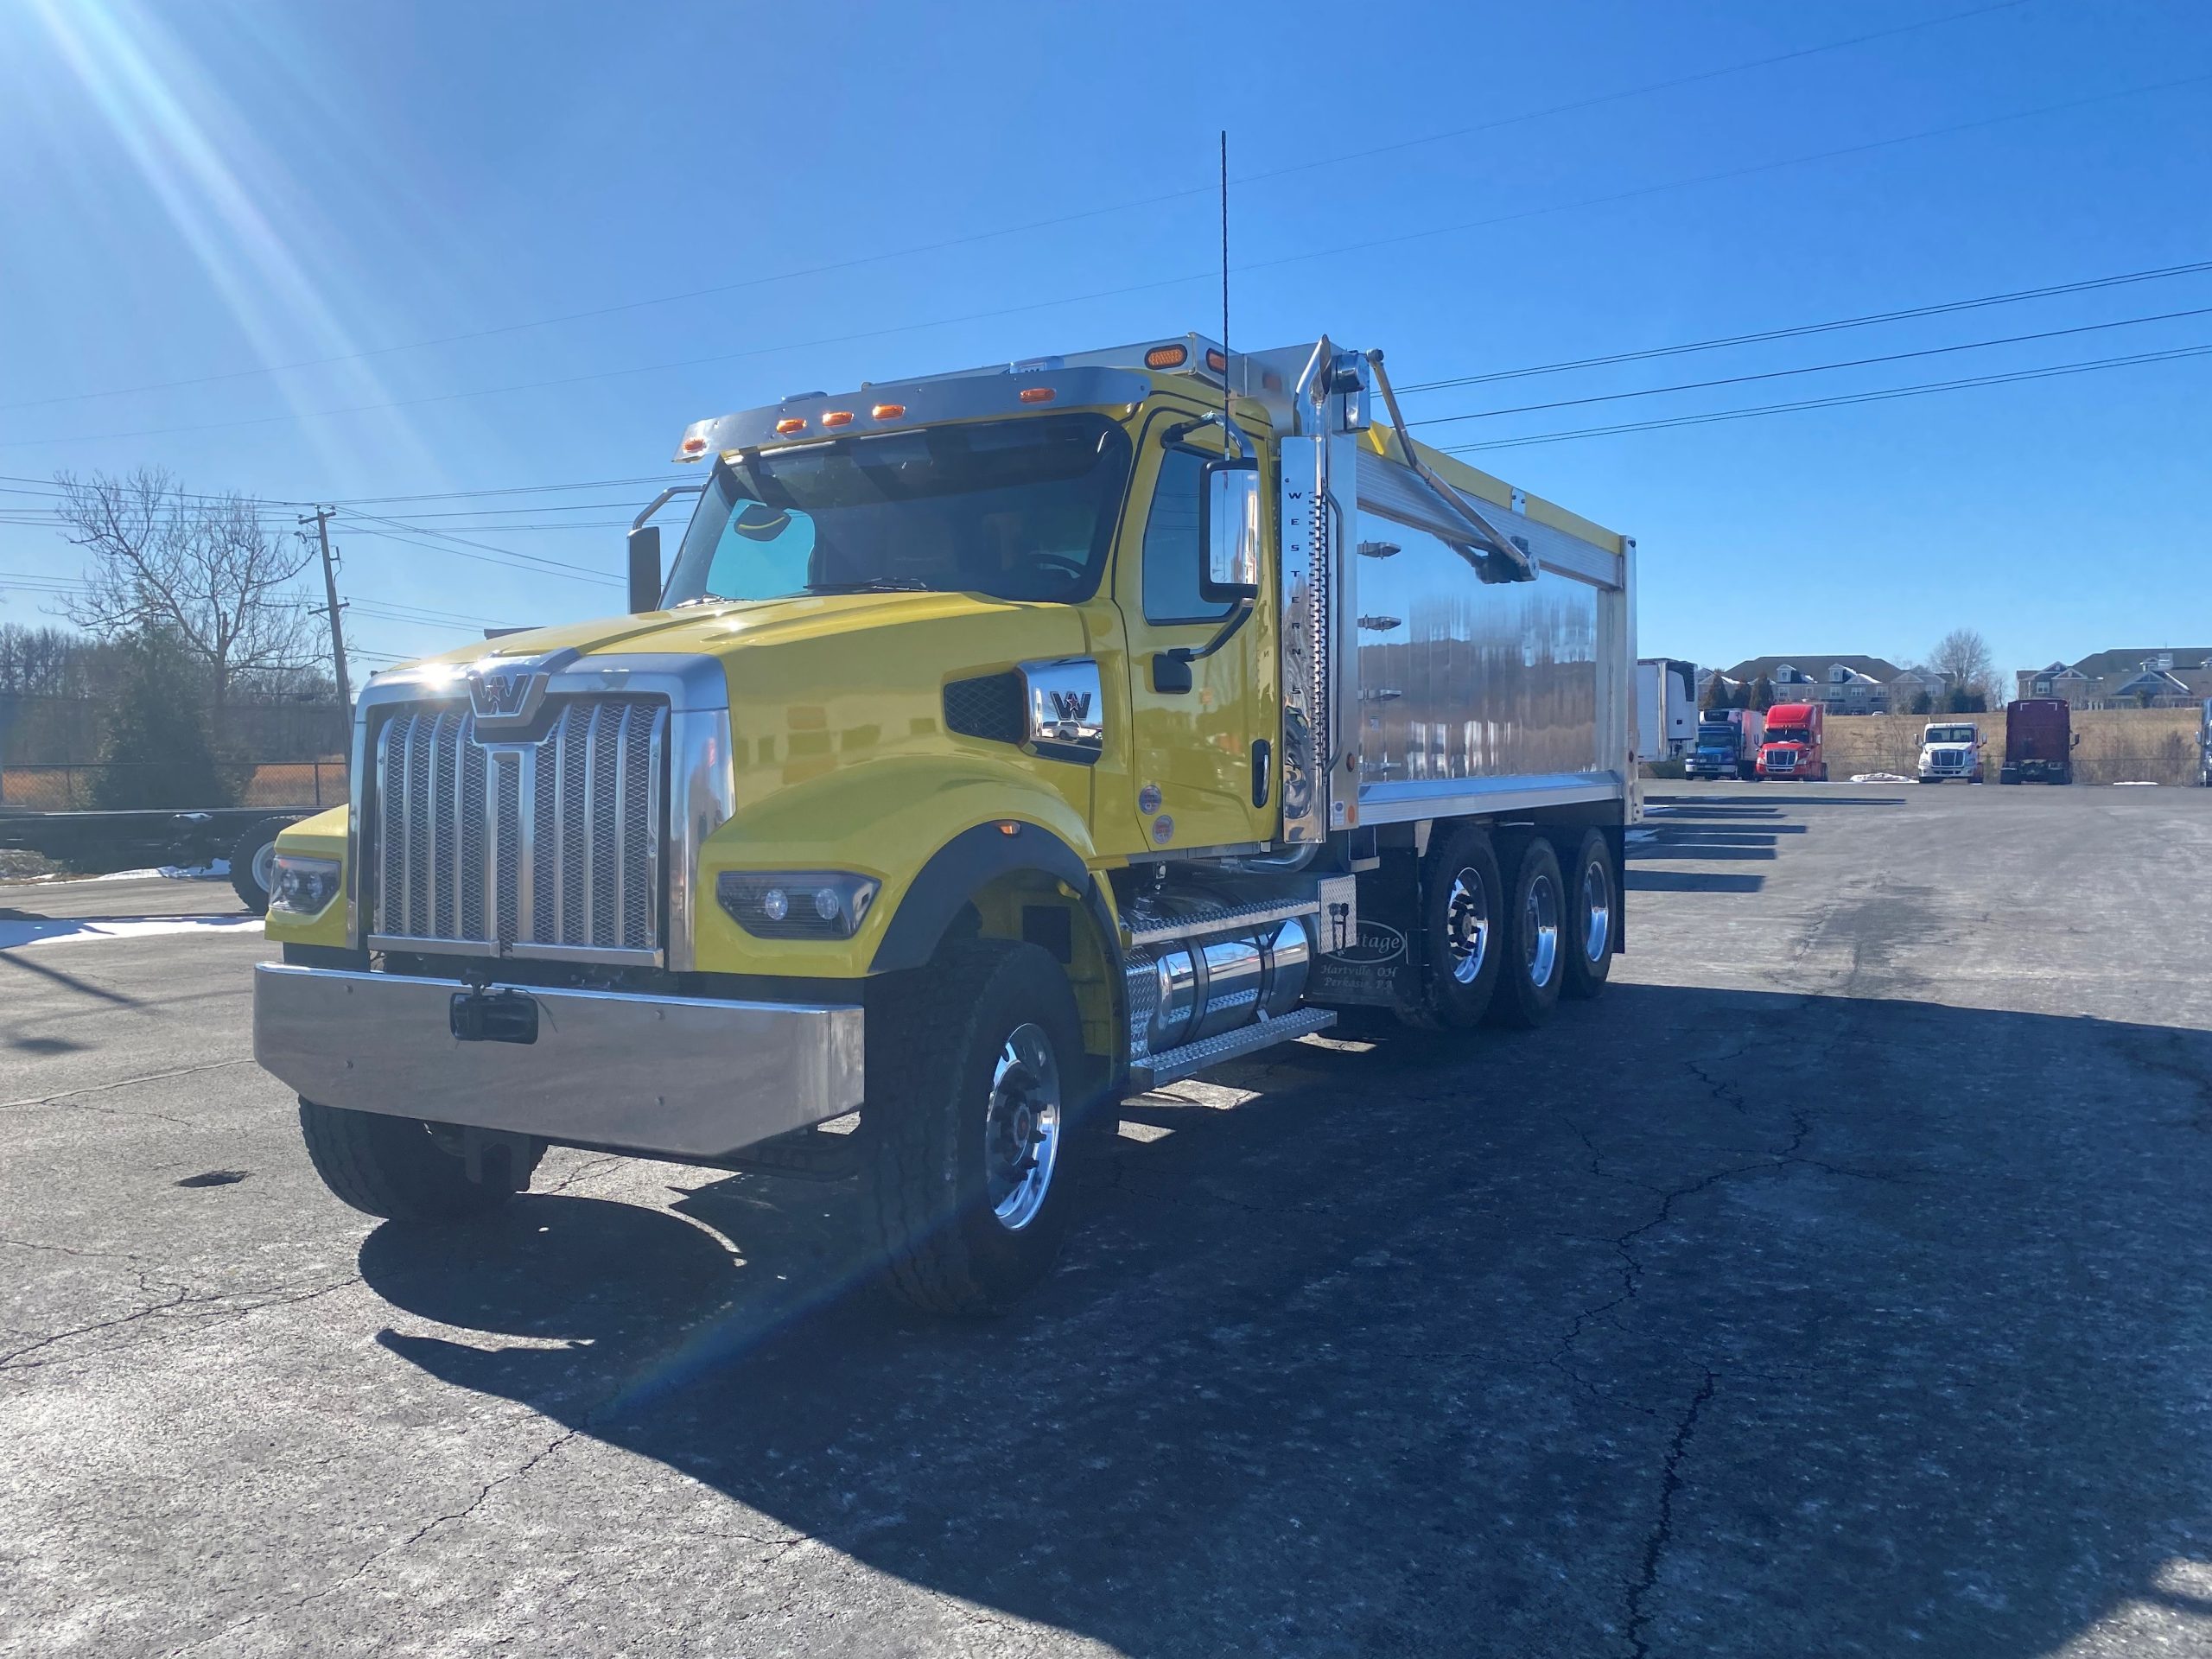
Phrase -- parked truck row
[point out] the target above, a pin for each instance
(996, 745)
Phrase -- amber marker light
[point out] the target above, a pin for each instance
(1167, 356)
(888, 411)
(837, 417)
(695, 445)
(790, 424)
(1216, 361)
(1036, 394)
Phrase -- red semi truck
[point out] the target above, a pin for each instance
(1792, 747)
(2039, 740)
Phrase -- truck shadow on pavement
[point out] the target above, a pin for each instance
(1725, 1322)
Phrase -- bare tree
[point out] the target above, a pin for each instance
(40, 662)
(1962, 657)
(201, 567)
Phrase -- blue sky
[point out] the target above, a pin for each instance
(212, 190)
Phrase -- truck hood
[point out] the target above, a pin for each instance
(719, 630)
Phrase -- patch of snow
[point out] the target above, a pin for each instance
(66, 929)
(1878, 778)
(2137, 782)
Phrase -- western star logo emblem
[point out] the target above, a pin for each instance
(500, 694)
(508, 694)
(1071, 708)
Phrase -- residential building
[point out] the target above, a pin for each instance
(2167, 678)
(1845, 685)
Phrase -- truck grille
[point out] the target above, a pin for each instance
(544, 847)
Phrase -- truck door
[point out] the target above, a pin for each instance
(1203, 761)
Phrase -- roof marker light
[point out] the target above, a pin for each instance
(888, 411)
(1035, 394)
(1167, 356)
(695, 445)
(1216, 360)
(790, 424)
(838, 417)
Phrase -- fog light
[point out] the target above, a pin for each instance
(797, 904)
(302, 887)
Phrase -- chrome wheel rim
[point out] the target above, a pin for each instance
(1021, 1127)
(1466, 925)
(1541, 930)
(1597, 910)
(265, 866)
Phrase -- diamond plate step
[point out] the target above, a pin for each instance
(1173, 1065)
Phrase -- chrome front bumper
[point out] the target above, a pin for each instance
(687, 1077)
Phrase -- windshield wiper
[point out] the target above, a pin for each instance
(872, 585)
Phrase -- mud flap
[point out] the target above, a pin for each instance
(1381, 968)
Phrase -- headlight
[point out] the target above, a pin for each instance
(303, 886)
(797, 904)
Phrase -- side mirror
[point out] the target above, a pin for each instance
(645, 568)
(1229, 527)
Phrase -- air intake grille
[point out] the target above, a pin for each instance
(988, 706)
(553, 842)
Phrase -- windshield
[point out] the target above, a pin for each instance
(1950, 735)
(1787, 734)
(1015, 509)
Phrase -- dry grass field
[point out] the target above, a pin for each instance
(70, 789)
(2157, 746)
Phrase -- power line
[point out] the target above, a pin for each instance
(1811, 368)
(546, 568)
(967, 239)
(1840, 401)
(1797, 329)
(1367, 245)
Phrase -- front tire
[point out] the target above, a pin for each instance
(975, 1087)
(1593, 912)
(1461, 899)
(1534, 964)
(396, 1168)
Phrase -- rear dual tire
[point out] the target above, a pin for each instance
(1503, 948)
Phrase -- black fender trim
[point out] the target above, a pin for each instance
(954, 874)
(969, 861)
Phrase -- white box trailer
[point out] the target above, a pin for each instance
(1666, 707)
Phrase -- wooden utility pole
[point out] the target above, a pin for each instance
(321, 517)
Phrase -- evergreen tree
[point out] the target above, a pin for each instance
(1762, 695)
(154, 744)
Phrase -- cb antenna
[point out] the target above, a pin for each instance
(1227, 415)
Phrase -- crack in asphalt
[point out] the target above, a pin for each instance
(1662, 1529)
(215, 1302)
(468, 1508)
(68, 1096)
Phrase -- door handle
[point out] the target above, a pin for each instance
(1263, 774)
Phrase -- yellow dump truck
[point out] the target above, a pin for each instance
(995, 746)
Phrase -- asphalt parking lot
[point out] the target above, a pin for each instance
(1837, 1285)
